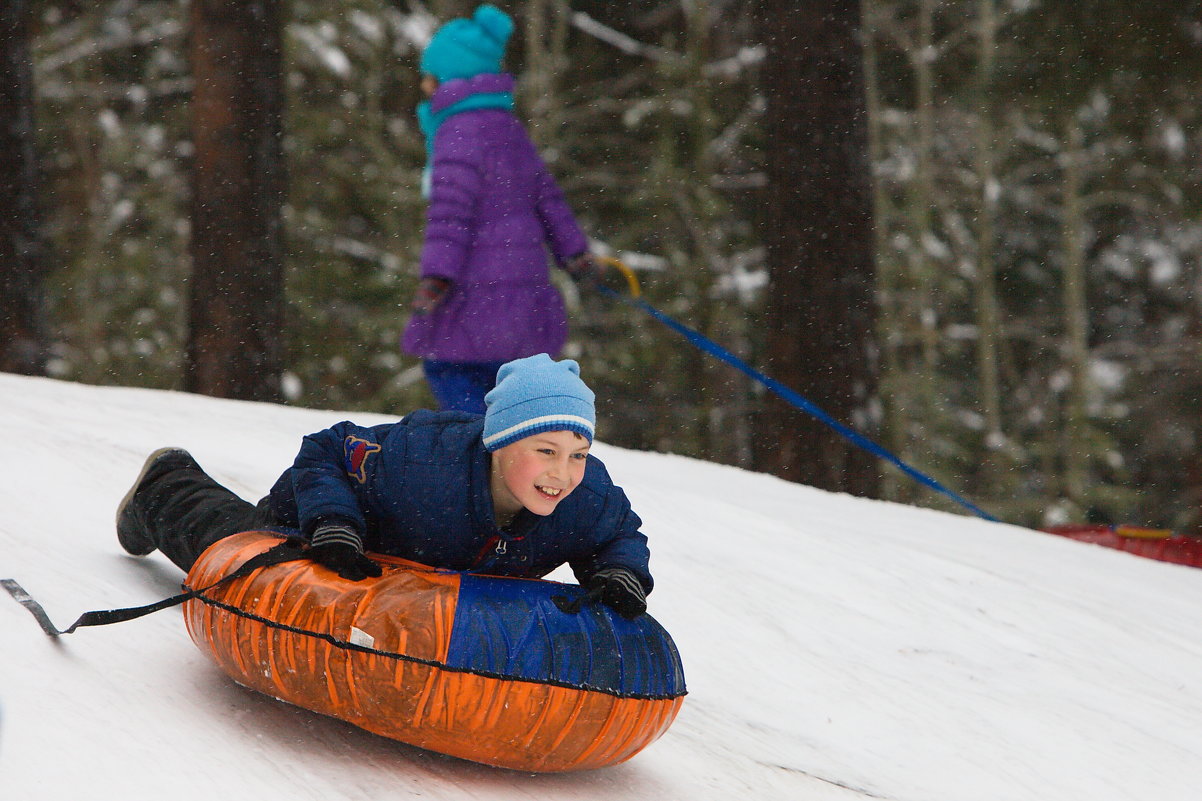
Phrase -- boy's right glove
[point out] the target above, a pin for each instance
(340, 549)
(620, 590)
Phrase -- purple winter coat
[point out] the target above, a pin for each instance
(493, 205)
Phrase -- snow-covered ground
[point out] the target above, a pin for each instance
(834, 648)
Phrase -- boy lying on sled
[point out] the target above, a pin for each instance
(514, 492)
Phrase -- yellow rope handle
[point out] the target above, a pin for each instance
(631, 281)
(1143, 533)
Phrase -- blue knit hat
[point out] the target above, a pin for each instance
(537, 394)
(464, 48)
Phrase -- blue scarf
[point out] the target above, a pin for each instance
(430, 120)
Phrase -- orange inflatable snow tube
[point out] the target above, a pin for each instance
(479, 667)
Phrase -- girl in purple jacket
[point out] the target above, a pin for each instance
(485, 296)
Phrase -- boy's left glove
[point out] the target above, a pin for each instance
(340, 549)
(620, 590)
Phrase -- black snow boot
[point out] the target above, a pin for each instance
(134, 527)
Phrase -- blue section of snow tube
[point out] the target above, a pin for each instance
(512, 628)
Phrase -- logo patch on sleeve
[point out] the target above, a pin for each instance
(354, 455)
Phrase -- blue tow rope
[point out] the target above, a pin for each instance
(796, 399)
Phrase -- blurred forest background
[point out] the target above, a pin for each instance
(1036, 196)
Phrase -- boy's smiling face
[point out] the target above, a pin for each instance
(537, 472)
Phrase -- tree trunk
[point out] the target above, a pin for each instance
(546, 45)
(1191, 492)
(987, 312)
(890, 272)
(922, 207)
(237, 295)
(22, 330)
(1075, 452)
(818, 231)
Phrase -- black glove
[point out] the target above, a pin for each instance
(340, 549)
(430, 292)
(583, 269)
(620, 590)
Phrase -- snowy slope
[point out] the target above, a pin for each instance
(835, 648)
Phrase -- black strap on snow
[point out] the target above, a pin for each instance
(287, 551)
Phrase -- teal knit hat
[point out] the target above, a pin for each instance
(537, 394)
(464, 48)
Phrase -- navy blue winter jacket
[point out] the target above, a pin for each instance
(419, 489)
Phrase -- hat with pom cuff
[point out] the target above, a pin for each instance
(465, 48)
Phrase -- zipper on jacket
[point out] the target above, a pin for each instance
(498, 545)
